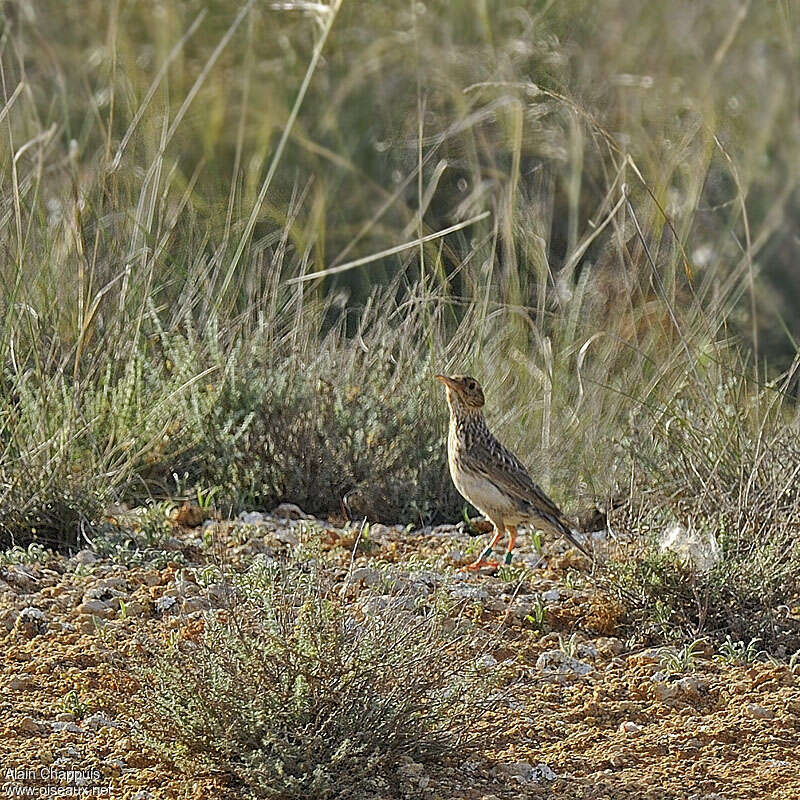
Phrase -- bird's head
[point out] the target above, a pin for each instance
(463, 392)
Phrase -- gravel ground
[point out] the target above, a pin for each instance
(582, 716)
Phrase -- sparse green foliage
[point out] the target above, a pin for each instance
(297, 694)
(722, 461)
(138, 538)
(32, 554)
(731, 652)
(569, 646)
(538, 614)
(73, 703)
(681, 660)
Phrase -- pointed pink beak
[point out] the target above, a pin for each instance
(449, 382)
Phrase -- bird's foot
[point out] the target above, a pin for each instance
(484, 561)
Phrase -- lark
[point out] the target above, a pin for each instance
(491, 477)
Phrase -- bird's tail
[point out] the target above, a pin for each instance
(561, 528)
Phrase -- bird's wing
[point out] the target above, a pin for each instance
(499, 465)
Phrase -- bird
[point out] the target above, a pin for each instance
(491, 477)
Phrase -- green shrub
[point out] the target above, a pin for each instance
(723, 462)
(295, 693)
(50, 515)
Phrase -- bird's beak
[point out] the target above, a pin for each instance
(449, 382)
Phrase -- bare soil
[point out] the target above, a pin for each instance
(625, 729)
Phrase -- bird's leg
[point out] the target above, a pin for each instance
(512, 538)
(483, 558)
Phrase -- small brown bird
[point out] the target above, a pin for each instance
(491, 477)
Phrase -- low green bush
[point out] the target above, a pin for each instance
(294, 693)
(721, 463)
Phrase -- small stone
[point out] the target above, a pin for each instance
(136, 609)
(8, 616)
(630, 728)
(469, 593)
(664, 690)
(587, 650)
(19, 682)
(756, 711)
(290, 511)
(543, 772)
(100, 720)
(29, 725)
(556, 663)
(70, 727)
(251, 517)
(690, 684)
(165, 603)
(189, 515)
(486, 661)
(525, 773)
(96, 608)
(191, 604)
(218, 593)
(610, 645)
(31, 622)
(85, 556)
(21, 578)
(367, 576)
(551, 596)
(286, 537)
(151, 578)
(187, 589)
(652, 655)
(173, 544)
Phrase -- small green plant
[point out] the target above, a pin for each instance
(72, 703)
(209, 574)
(731, 652)
(682, 659)
(128, 547)
(510, 573)
(32, 554)
(297, 695)
(794, 662)
(205, 497)
(573, 579)
(569, 646)
(537, 615)
(102, 630)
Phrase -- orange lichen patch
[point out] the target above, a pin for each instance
(193, 630)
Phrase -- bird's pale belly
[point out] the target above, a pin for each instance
(487, 498)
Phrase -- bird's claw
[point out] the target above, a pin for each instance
(482, 563)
